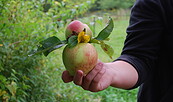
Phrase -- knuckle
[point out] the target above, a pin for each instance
(102, 71)
(94, 90)
(77, 83)
(85, 88)
(98, 66)
(87, 79)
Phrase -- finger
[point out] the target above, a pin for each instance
(95, 84)
(78, 77)
(66, 77)
(90, 76)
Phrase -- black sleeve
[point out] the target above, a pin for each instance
(143, 38)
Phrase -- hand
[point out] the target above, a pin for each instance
(98, 79)
(118, 74)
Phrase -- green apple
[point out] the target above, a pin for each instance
(83, 57)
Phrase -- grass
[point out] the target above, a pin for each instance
(72, 93)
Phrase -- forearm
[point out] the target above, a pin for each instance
(124, 75)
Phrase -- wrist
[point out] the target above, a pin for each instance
(112, 73)
(122, 74)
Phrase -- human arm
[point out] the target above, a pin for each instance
(118, 74)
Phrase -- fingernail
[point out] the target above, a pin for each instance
(79, 72)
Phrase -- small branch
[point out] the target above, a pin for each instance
(14, 43)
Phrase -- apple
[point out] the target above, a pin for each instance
(83, 57)
(75, 27)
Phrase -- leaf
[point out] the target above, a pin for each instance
(49, 42)
(12, 88)
(95, 41)
(107, 49)
(49, 45)
(106, 31)
(2, 92)
(1, 44)
(72, 41)
(2, 79)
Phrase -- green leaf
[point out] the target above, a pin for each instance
(106, 31)
(1, 43)
(72, 41)
(50, 41)
(12, 88)
(49, 45)
(95, 41)
(2, 79)
(107, 49)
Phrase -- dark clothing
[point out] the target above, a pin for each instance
(149, 48)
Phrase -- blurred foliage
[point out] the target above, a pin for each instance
(23, 23)
(113, 4)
